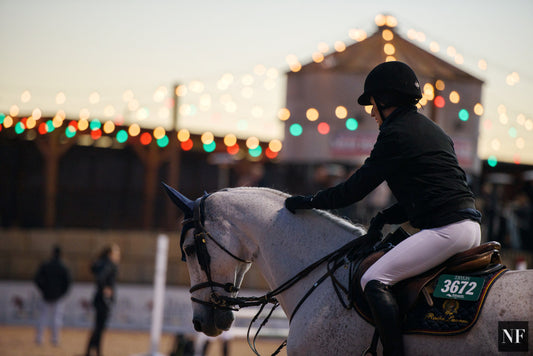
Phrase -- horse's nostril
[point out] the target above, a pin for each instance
(197, 325)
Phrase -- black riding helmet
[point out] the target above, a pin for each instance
(395, 83)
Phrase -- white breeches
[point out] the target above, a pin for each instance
(423, 251)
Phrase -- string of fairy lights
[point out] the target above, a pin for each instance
(196, 97)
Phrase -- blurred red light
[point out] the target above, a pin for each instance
(42, 128)
(323, 128)
(232, 150)
(146, 138)
(96, 134)
(439, 101)
(270, 154)
(187, 145)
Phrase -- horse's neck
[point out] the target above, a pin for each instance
(286, 248)
(287, 243)
(296, 248)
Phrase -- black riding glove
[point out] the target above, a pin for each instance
(376, 225)
(298, 202)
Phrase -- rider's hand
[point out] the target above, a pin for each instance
(376, 225)
(298, 202)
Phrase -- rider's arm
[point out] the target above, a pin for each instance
(394, 214)
(383, 160)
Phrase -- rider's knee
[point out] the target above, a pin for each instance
(365, 279)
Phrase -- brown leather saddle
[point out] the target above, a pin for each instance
(476, 260)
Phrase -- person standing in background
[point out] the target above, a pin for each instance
(53, 280)
(105, 270)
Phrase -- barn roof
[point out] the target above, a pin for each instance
(361, 57)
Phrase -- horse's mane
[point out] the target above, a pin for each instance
(344, 223)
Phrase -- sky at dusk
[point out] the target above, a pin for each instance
(120, 60)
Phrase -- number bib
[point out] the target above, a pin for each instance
(459, 287)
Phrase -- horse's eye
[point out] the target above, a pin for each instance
(189, 250)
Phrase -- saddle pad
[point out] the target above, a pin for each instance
(445, 317)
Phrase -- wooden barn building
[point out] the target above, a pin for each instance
(326, 124)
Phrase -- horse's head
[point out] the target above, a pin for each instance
(215, 268)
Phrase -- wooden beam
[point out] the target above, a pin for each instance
(52, 149)
(152, 158)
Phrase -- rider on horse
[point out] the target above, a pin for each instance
(417, 160)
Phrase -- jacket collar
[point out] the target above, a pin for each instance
(397, 113)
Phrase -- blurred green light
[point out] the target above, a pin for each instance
(2, 117)
(95, 124)
(352, 124)
(492, 161)
(19, 128)
(210, 147)
(463, 115)
(50, 126)
(122, 136)
(512, 132)
(70, 131)
(296, 129)
(255, 152)
(163, 141)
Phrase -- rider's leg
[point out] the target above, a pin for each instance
(386, 315)
(418, 253)
(423, 251)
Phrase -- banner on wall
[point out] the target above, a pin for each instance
(360, 144)
(19, 303)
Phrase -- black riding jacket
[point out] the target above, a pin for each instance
(417, 160)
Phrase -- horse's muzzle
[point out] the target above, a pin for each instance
(197, 324)
(223, 319)
(214, 323)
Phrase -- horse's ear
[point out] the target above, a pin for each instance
(185, 204)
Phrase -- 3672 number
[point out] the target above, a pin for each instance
(458, 287)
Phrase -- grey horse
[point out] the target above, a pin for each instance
(251, 225)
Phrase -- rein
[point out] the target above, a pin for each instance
(342, 256)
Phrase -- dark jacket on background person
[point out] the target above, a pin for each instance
(53, 279)
(105, 274)
(417, 160)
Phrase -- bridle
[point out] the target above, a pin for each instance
(217, 301)
(196, 219)
(196, 222)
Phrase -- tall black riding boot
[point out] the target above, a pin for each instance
(386, 315)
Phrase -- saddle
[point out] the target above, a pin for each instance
(433, 303)
(479, 260)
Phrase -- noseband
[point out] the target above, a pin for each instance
(201, 235)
